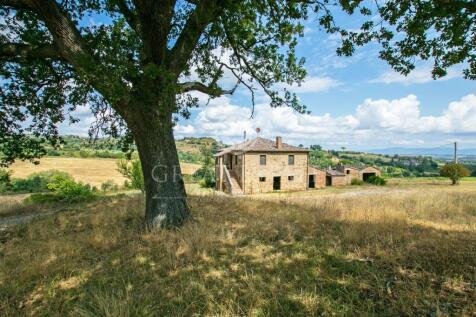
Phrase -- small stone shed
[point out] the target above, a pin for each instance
(316, 177)
(357, 172)
(335, 177)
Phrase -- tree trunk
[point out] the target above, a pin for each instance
(166, 204)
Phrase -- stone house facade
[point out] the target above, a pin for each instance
(261, 165)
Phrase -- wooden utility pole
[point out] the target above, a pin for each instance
(456, 153)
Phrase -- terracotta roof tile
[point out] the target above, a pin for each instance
(260, 145)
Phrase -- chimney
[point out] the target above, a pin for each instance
(279, 142)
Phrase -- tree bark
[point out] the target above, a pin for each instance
(166, 201)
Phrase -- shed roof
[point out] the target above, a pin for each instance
(334, 173)
(260, 145)
(359, 167)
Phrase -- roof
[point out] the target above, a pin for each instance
(317, 168)
(359, 167)
(334, 173)
(355, 167)
(376, 168)
(260, 145)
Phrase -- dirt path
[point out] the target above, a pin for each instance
(319, 195)
(5, 222)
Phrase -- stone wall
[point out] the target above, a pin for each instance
(276, 165)
(339, 180)
(237, 167)
(350, 174)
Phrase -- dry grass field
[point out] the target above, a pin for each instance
(93, 171)
(404, 251)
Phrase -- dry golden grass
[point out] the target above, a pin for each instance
(94, 171)
(12, 204)
(411, 253)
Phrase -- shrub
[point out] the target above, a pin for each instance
(205, 177)
(109, 186)
(376, 180)
(70, 191)
(38, 182)
(454, 171)
(356, 182)
(65, 190)
(5, 181)
(132, 170)
(206, 173)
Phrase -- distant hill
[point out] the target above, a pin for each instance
(76, 146)
(438, 152)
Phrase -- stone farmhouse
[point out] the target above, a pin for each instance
(261, 165)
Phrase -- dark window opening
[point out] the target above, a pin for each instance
(290, 178)
(290, 159)
(236, 159)
(348, 171)
(262, 160)
(366, 176)
(262, 179)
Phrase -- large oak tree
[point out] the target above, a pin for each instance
(132, 69)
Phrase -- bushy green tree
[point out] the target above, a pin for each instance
(5, 181)
(132, 170)
(206, 173)
(454, 172)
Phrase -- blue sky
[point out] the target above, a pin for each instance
(357, 102)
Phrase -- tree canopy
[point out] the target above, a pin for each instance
(53, 59)
(454, 172)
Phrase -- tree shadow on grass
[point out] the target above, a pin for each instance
(278, 261)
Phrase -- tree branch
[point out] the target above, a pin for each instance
(25, 51)
(209, 90)
(74, 51)
(156, 21)
(17, 4)
(129, 14)
(469, 5)
(205, 12)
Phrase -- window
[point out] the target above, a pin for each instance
(262, 179)
(262, 160)
(290, 178)
(236, 159)
(290, 159)
(348, 172)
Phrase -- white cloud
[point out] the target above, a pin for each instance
(315, 84)
(421, 75)
(380, 121)
(375, 122)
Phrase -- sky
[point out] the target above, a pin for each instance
(356, 102)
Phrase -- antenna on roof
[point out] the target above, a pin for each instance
(244, 135)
